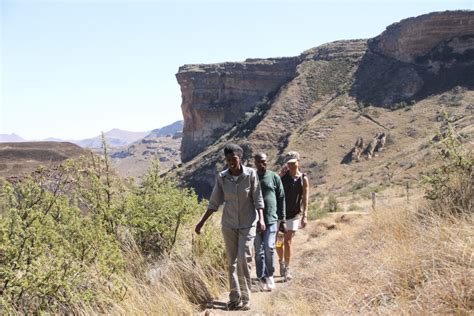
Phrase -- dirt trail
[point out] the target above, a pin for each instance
(311, 247)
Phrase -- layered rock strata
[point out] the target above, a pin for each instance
(417, 57)
(414, 37)
(216, 96)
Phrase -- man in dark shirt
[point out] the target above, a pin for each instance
(274, 200)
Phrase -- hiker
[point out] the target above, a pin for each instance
(239, 190)
(296, 186)
(274, 198)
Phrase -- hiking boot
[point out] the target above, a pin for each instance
(288, 275)
(270, 283)
(233, 305)
(282, 269)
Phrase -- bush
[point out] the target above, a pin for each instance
(52, 255)
(68, 235)
(156, 210)
(332, 205)
(315, 211)
(450, 186)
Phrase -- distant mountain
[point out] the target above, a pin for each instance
(167, 130)
(115, 138)
(163, 143)
(10, 138)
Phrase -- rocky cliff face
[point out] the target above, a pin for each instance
(411, 38)
(216, 96)
(417, 57)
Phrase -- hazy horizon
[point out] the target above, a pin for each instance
(71, 69)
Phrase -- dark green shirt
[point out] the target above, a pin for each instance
(273, 197)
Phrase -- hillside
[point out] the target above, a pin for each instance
(398, 83)
(17, 159)
(133, 160)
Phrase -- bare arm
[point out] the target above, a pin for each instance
(261, 219)
(217, 198)
(203, 220)
(304, 219)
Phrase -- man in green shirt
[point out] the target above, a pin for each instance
(274, 200)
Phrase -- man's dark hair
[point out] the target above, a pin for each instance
(233, 149)
(260, 156)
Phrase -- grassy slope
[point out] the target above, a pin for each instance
(20, 158)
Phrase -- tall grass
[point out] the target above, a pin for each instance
(416, 259)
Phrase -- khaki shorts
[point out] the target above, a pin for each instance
(293, 224)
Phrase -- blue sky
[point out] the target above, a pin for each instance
(71, 69)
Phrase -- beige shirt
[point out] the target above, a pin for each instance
(241, 198)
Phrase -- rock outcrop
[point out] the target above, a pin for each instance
(417, 57)
(412, 38)
(216, 96)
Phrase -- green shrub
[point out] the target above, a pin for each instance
(53, 255)
(315, 211)
(331, 204)
(157, 209)
(450, 186)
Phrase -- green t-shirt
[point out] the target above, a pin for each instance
(273, 196)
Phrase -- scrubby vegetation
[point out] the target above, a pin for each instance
(450, 186)
(79, 239)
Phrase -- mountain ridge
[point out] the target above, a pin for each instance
(340, 91)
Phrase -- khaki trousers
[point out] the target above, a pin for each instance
(238, 243)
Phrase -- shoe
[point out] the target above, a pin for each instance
(233, 305)
(261, 285)
(244, 306)
(270, 283)
(288, 275)
(282, 269)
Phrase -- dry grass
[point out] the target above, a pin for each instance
(428, 261)
(179, 284)
(388, 262)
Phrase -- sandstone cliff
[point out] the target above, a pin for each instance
(329, 95)
(412, 38)
(216, 96)
(417, 57)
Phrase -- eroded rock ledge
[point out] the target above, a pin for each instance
(414, 37)
(215, 96)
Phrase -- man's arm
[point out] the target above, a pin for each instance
(304, 219)
(258, 200)
(280, 198)
(203, 220)
(261, 220)
(217, 198)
